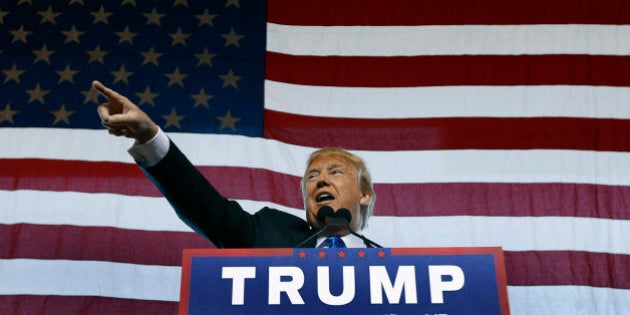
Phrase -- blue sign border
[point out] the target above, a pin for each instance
(486, 286)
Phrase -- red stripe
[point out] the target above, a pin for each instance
(94, 305)
(488, 199)
(155, 248)
(450, 133)
(492, 199)
(357, 71)
(568, 268)
(97, 243)
(64, 175)
(440, 12)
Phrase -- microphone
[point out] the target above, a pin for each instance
(341, 217)
(323, 214)
(329, 217)
(345, 214)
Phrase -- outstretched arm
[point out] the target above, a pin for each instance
(194, 199)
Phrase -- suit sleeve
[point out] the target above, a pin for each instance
(223, 222)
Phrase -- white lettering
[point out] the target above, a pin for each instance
(438, 286)
(291, 287)
(238, 276)
(405, 279)
(323, 286)
(291, 279)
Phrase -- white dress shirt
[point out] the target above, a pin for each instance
(350, 240)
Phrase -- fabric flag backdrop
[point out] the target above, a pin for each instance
(484, 123)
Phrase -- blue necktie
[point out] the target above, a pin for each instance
(333, 242)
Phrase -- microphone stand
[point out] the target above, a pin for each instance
(312, 237)
(340, 221)
(368, 243)
(329, 221)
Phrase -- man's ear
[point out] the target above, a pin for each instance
(365, 199)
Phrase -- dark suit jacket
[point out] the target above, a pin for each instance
(222, 221)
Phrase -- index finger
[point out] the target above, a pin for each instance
(105, 91)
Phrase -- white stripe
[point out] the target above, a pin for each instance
(101, 210)
(449, 40)
(88, 209)
(99, 146)
(89, 278)
(63, 144)
(154, 214)
(511, 233)
(449, 101)
(511, 166)
(545, 300)
(444, 166)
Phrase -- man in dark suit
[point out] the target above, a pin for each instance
(334, 177)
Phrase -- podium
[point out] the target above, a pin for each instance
(426, 281)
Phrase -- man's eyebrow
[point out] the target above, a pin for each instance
(335, 165)
(327, 167)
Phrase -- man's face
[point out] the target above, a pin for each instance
(331, 180)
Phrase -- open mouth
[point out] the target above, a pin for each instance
(323, 197)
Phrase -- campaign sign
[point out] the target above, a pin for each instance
(426, 281)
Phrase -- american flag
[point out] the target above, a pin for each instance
(484, 123)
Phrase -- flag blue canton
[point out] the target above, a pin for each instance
(193, 66)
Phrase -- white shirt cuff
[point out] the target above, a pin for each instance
(153, 151)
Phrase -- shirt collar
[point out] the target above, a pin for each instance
(350, 240)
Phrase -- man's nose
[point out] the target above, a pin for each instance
(322, 181)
